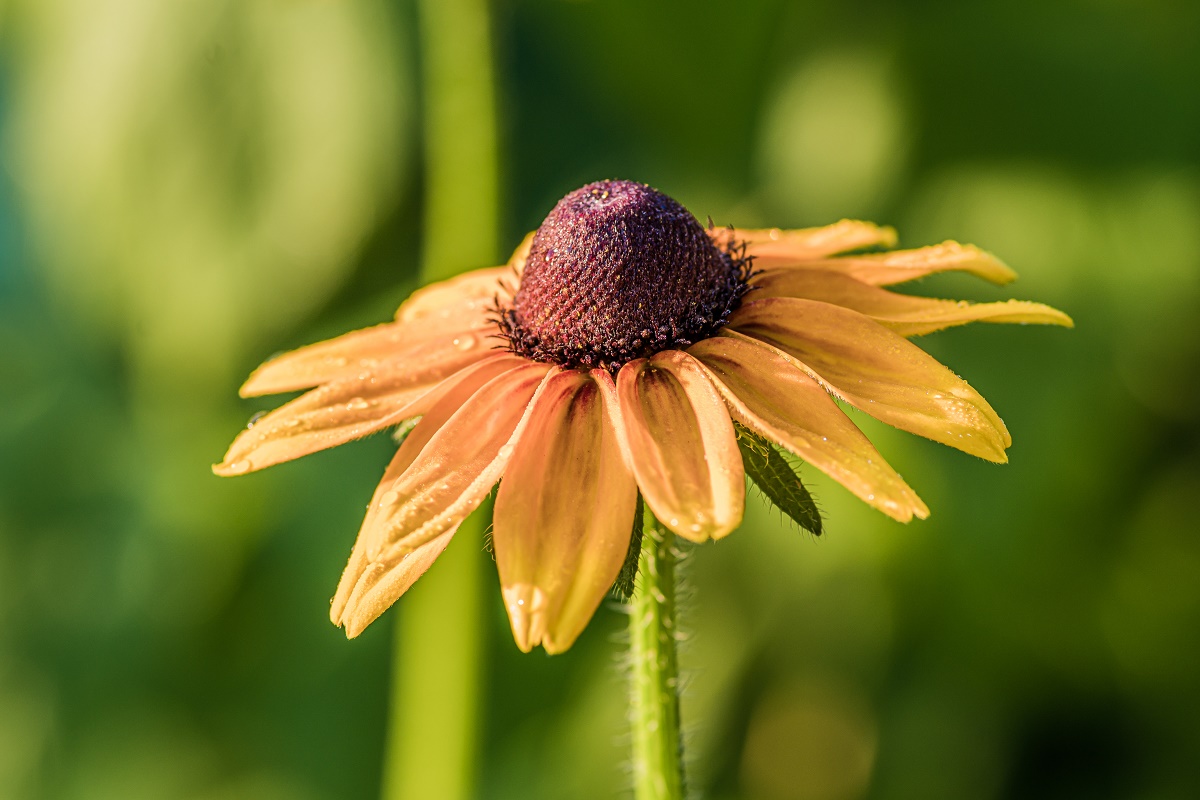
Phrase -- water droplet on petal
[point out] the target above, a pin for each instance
(238, 467)
(464, 342)
(254, 420)
(357, 404)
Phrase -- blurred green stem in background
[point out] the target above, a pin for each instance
(432, 741)
(654, 670)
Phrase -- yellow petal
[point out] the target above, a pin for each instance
(371, 350)
(904, 314)
(785, 246)
(563, 514)
(380, 585)
(440, 474)
(877, 371)
(349, 409)
(682, 445)
(458, 302)
(773, 396)
(898, 266)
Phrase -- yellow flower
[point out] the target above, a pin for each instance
(611, 355)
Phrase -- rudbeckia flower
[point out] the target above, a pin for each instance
(613, 355)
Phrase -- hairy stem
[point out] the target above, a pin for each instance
(654, 691)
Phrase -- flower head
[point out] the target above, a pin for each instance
(619, 271)
(613, 355)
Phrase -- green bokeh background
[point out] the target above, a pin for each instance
(187, 187)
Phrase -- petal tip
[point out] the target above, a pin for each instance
(355, 626)
(993, 269)
(256, 385)
(525, 615)
(231, 469)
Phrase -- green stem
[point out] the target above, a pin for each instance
(432, 738)
(654, 695)
(436, 662)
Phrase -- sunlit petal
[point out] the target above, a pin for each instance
(458, 302)
(898, 266)
(379, 584)
(878, 371)
(350, 409)
(441, 473)
(773, 396)
(563, 514)
(773, 245)
(904, 314)
(368, 351)
(682, 445)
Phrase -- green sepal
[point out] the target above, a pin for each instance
(772, 472)
(622, 589)
(401, 431)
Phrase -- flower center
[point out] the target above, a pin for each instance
(619, 271)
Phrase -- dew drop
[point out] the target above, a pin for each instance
(464, 342)
(238, 467)
(389, 498)
(357, 404)
(254, 420)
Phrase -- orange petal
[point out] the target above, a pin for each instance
(440, 474)
(460, 301)
(563, 514)
(380, 585)
(367, 351)
(785, 246)
(344, 410)
(905, 314)
(898, 266)
(773, 396)
(516, 262)
(877, 371)
(682, 445)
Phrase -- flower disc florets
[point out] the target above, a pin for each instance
(619, 271)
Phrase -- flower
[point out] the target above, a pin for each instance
(613, 355)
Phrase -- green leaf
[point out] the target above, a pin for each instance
(772, 473)
(623, 587)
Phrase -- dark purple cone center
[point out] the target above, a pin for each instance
(619, 271)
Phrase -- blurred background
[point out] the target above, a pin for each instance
(188, 187)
